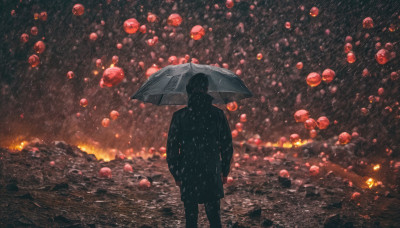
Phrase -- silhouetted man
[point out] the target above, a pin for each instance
(199, 152)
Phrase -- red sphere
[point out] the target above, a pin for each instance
(174, 20)
(299, 65)
(34, 60)
(39, 47)
(173, 60)
(197, 32)
(115, 59)
(144, 184)
(234, 133)
(128, 168)
(113, 76)
(259, 56)
(78, 9)
(83, 102)
(301, 115)
(323, 122)
(43, 16)
(34, 31)
(24, 38)
(284, 173)
(314, 170)
(151, 18)
(368, 23)
(153, 69)
(310, 124)
(314, 11)
(355, 196)
(70, 74)
(131, 26)
(105, 122)
(243, 118)
(313, 79)
(105, 172)
(114, 115)
(229, 4)
(344, 138)
(239, 127)
(328, 75)
(93, 36)
(382, 56)
(351, 57)
(313, 133)
(294, 138)
(348, 47)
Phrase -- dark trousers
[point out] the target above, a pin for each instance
(212, 211)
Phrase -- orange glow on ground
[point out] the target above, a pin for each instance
(18, 146)
(377, 167)
(106, 155)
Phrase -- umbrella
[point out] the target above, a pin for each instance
(168, 85)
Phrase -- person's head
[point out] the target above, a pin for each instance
(197, 84)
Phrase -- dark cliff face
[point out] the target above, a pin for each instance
(42, 102)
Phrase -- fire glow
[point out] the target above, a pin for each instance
(18, 146)
(376, 167)
(100, 153)
(287, 144)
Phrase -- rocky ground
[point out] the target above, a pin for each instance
(70, 193)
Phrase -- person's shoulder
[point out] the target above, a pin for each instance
(217, 110)
(180, 111)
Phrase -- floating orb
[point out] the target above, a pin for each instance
(394, 76)
(43, 16)
(99, 63)
(229, 180)
(115, 59)
(232, 106)
(294, 138)
(323, 122)
(259, 56)
(34, 31)
(70, 74)
(143, 29)
(234, 133)
(314, 11)
(313, 133)
(119, 46)
(39, 47)
(310, 124)
(229, 4)
(344, 138)
(151, 18)
(348, 47)
(105, 172)
(153, 69)
(328, 75)
(301, 115)
(83, 102)
(173, 60)
(239, 127)
(382, 56)
(197, 32)
(113, 76)
(114, 115)
(144, 184)
(52, 163)
(128, 168)
(365, 73)
(243, 118)
(313, 79)
(131, 26)
(24, 38)
(314, 170)
(389, 46)
(174, 20)
(105, 122)
(34, 60)
(78, 9)
(284, 173)
(381, 91)
(355, 135)
(162, 150)
(299, 65)
(368, 23)
(228, 15)
(351, 57)
(93, 36)
(355, 196)
(287, 25)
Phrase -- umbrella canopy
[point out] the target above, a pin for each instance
(168, 85)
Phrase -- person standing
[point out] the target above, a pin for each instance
(199, 152)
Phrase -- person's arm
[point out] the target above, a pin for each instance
(173, 147)
(225, 145)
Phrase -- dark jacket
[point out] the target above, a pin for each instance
(199, 149)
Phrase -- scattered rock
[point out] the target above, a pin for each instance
(267, 223)
(256, 212)
(12, 187)
(285, 182)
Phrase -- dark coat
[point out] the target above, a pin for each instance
(199, 149)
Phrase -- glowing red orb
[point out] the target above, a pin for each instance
(348, 47)
(39, 47)
(323, 122)
(299, 65)
(112, 76)
(197, 32)
(114, 115)
(70, 74)
(382, 56)
(34, 31)
(368, 23)
(344, 138)
(314, 11)
(151, 18)
(239, 127)
(144, 184)
(52, 163)
(234, 133)
(34, 60)
(328, 75)
(355, 196)
(313, 133)
(78, 9)
(153, 69)
(313, 79)
(173, 60)
(243, 118)
(105, 172)
(83, 102)
(128, 168)
(284, 173)
(105, 122)
(259, 56)
(93, 36)
(294, 138)
(43, 16)
(115, 59)
(301, 115)
(174, 20)
(314, 170)
(229, 180)
(24, 38)
(131, 26)
(351, 57)
(229, 4)
(310, 124)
